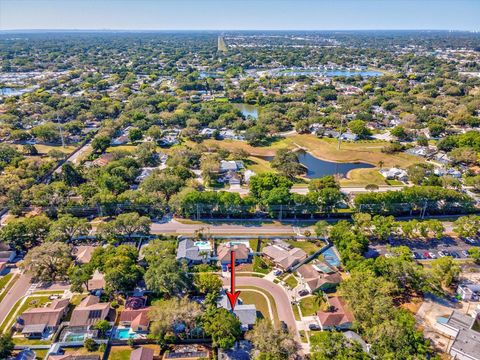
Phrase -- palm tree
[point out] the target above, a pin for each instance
(380, 164)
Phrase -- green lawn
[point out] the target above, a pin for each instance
(307, 246)
(41, 353)
(251, 297)
(291, 281)
(296, 312)
(303, 336)
(119, 353)
(24, 341)
(260, 266)
(5, 279)
(308, 306)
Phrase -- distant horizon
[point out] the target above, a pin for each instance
(234, 30)
(240, 15)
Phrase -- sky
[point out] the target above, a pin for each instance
(240, 14)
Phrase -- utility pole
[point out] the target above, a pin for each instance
(340, 134)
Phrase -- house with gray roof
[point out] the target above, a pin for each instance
(190, 252)
(246, 313)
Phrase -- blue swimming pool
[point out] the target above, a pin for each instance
(125, 334)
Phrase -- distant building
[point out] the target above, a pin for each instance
(469, 292)
(394, 174)
(232, 165)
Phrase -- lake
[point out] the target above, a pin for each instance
(317, 168)
(247, 109)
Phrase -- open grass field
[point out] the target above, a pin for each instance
(363, 177)
(307, 246)
(259, 165)
(291, 281)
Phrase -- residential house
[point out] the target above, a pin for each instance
(348, 136)
(315, 281)
(337, 317)
(6, 254)
(469, 292)
(283, 256)
(247, 175)
(190, 251)
(104, 159)
(231, 165)
(83, 253)
(187, 352)
(242, 253)
(135, 314)
(207, 132)
(246, 313)
(394, 174)
(89, 312)
(97, 283)
(142, 353)
(37, 322)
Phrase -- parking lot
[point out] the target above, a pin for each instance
(429, 249)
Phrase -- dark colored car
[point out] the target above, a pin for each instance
(314, 327)
(303, 292)
(283, 326)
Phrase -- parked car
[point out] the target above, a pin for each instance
(283, 326)
(454, 254)
(465, 253)
(303, 292)
(277, 272)
(426, 255)
(432, 255)
(314, 327)
(470, 241)
(417, 256)
(441, 254)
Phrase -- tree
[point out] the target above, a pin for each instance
(78, 277)
(67, 228)
(474, 253)
(175, 311)
(6, 346)
(208, 283)
(90, 345)
(165, 276)
(359, 127)
(322, 229)
(100, 143)
(287, 163)
(102, 326)
(223, 327)
(70, 175)
(262, 184)
(135, 134)
(325, 182)
(163, 183)
(326, 345)
(127, 225)
(272, 343)
(371, 187)
(24, 233)
(444, 270)
(467, 226)
(48, 262)
(119, 266)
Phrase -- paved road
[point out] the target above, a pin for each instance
(18, 290)
(284, 308)
(304, 190)
(176, 227)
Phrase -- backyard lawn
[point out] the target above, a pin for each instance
(119, 353)
(308, 246)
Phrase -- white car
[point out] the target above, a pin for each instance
(432, 255)
(441, 254)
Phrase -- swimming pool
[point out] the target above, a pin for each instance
(72, 337)
(203, 245)
(125, 334)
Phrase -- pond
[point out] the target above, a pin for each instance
(6, 91)
(247, 109)
(317, 168)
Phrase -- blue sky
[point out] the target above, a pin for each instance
(240, 14)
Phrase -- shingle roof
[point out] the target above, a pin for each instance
(49, 316)
(89, 311)
(188, 250)
(338, 315)
(241, 252)
(283, 257)
(142, 353)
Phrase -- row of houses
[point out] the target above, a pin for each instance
(283, 255)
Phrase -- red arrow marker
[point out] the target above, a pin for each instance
(232, 295)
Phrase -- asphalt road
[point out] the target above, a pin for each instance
(175, 227)
(284, 308)
(18, 290)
